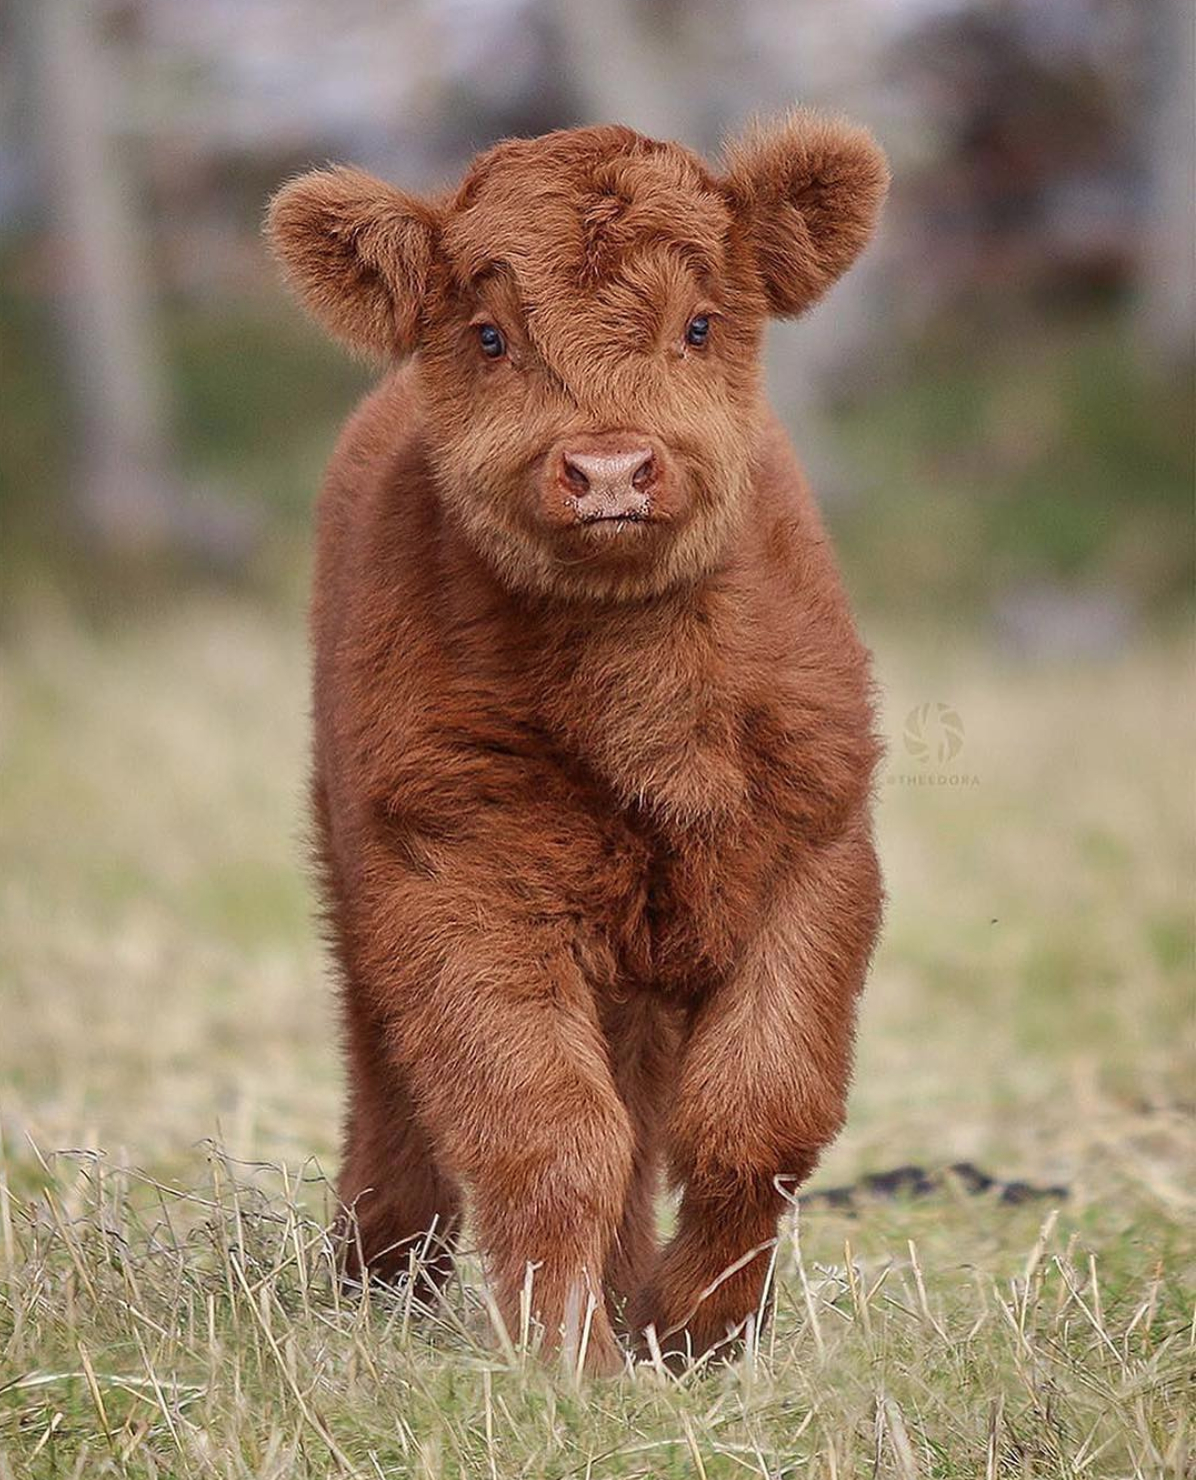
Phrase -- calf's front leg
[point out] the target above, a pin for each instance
(498, 1037)
(762, 1090)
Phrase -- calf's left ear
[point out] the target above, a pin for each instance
(807, 191)
(358, 254)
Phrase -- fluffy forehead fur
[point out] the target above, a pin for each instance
(793, 207)
(600, 220)
(591, 250)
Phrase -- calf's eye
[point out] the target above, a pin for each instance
(698, 331)
(494, 346)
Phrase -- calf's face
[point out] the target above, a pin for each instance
(586, 311)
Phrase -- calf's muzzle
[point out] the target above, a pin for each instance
(612, 476)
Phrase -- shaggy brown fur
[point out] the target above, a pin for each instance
(594, 743)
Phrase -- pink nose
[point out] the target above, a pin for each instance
(614, 483)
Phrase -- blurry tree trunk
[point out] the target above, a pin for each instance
(1168, 295)
(624, 65)
(125, 485)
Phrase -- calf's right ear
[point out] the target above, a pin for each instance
(808, 189)
(358, 254)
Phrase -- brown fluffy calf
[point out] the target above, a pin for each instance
(594, 742)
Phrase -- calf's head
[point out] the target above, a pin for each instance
(586, 313)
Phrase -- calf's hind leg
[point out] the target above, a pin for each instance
(402, 1211)
(642, 1034)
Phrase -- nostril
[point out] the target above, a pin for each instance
(645, 475)
(608, 475)
(576, 477)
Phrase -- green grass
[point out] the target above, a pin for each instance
(170, 1099)
(1044, 453)
(260, 393)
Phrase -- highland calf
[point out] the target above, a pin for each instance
(593, 736)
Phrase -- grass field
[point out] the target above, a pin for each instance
(169, 1094)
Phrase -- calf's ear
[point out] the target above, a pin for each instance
(358, 254)
(807, 191)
